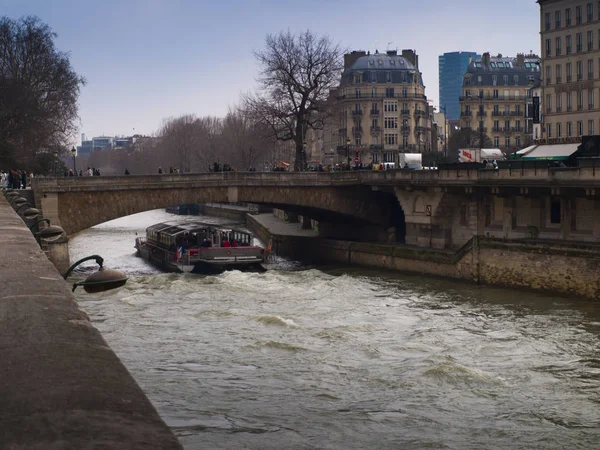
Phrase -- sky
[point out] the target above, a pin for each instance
(148, 60)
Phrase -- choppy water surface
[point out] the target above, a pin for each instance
(343, 358)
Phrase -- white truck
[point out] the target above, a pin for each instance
(410, 161)
(480, 154)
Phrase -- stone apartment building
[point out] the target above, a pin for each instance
(497, 93)
(380, 108)
(570, 42)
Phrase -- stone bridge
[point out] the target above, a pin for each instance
(441, 208)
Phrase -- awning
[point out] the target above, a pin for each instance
(551, 152)
(527, 150)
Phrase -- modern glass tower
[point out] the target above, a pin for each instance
(452, 67)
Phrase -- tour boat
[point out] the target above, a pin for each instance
(199, 248)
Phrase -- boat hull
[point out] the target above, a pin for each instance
(232, 259)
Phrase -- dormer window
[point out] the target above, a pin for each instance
(493, 65)
(356, 78)
(500, 65)
(478, 65)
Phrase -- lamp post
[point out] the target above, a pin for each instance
(74, 153)
(481, 119)
(304, 145)
(348, 151)
(443, 108)
(100, 281)
(55, 153)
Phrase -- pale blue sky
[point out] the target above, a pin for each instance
(146, 60)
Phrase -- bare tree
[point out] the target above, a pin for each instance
(296, 76)
(468, 138)
(38, 93)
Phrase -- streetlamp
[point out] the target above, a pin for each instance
(304, 145)
(55, 153)
(74, 153)
(100, 281)
(348, 150)
(443, 108)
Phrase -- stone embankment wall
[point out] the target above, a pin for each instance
(552, 266)
(61, 385)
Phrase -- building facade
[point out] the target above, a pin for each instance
(570, 40)
(452, 66)
(381, 107)
(496, 97)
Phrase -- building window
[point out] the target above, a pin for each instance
(579, 42)
(404, 92)
(391, 122)
(568, 17)
(569, 102)
(507, 142)
(590, 127)
(357, 79)
(518, 142)
(559, 130)
(507, 125)
(548, 75)
(389, 92)
(580, 101)
(558, 102)
(357, 92)
(373, 77)
(391, 139)
(558, 74)
(518, 125)
(496, 141)
(374, 94)
(494, 80)
(557, 19)
(558, 46)
(569, 42)
(590, 68)
(569, 72)
(549, 130)
(388, 77)
(590, 39)
(579, 128)
(579, 70)
(505, 79)
(404, 141)
(590, 12)
(578, 15)
(547, 16)
(569, 129)
(495, 94)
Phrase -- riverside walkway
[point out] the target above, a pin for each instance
(61, 386)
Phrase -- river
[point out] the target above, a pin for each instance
(345, 358)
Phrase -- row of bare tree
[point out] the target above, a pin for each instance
(193, 144)
(39, 91)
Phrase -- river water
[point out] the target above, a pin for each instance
(344, 358)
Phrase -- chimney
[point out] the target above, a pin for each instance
(520, 59)
(486, 58)
(411, 57)
(392, 52)
(350, 58)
